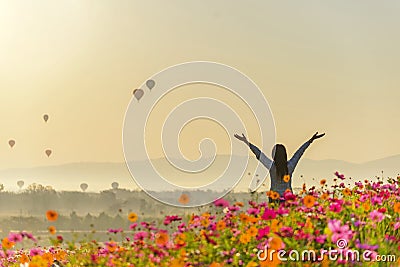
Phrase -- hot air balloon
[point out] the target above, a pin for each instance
(150, 84)
(11, 143)
(48, 152)
(114, 185)
(20, 184)
(84, 186)
(45, 117)
(138, 93)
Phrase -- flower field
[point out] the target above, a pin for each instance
(362, 218)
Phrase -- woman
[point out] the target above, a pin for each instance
(280, 168)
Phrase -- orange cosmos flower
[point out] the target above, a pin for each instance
(252, 231)
(245, 238)
(286, 178)
(276, 243)
(274, 195)
(325, 196)
(240, 204)
(51, 215)
(112, 246)
(180, 239)
(48, 257)
(346, 192)
(132, 217)
(221, 225)
(23, 259)
(184, 199)
(161, 238)
(396, 207)
(7, 244)
(366, 206)
(309, 201)
(52, 230)
(322, 182)
(177, 263)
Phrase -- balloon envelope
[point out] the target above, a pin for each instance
(138, 93)
(20, 183)
(45, 117)
(11, 143)
(114, 185)
(150, 84)
(84, 186)
(48, 152)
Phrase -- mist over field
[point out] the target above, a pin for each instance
(99, 176)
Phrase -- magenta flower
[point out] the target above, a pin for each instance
(221, 203)
(320, 239)
(114, 231)
(170, 219)
(335, 207)
(286, 231)
(133, 226)
(340, 176)
(262, 232)
(140, 235)
(269, 214)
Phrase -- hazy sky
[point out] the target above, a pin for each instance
(327, 66)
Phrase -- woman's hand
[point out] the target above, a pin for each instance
(242, 138)
(316, 136)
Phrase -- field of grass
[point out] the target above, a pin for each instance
(356, 225)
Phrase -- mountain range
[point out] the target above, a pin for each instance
(99, 176)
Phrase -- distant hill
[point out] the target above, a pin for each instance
(99, 176)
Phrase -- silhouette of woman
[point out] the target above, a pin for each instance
(280, 168)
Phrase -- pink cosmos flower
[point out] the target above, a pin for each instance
(376, 216)
(15, 237)
(35, 252)
(339, 231)
(253, 211)
(221, 203)
(376, 200)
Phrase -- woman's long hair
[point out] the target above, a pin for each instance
(280, 159)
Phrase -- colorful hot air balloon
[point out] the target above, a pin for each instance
(84, 186)
(114, 185)
(48, 152)
(20, 184)
(11, 143)
(45, 117)
(150, 84)
(138, 93)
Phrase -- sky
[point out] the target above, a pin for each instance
(322, 66)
